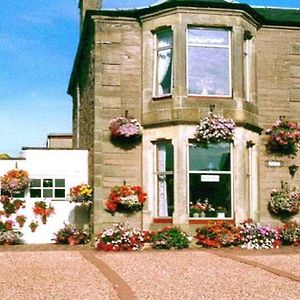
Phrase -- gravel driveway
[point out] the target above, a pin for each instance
(77, 273)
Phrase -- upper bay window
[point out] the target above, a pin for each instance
(163, 70)
(209, 71)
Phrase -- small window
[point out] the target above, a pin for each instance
(165, 179)
(209, 72)
(47, 188)
(164, 53)
(210, 180)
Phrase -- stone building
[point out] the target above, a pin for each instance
(167, 64)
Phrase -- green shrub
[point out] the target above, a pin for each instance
(170, 238)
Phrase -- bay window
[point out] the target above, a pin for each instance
(210, 179)
(163, 70)
(165, 179)
(209, 71)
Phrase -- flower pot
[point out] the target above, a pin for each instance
(202, 215)
(44, 220)
(196, 215)
(221, 215)
(73, 241)
(33, 229)
(21, 224)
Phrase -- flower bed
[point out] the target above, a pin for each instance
(257, 236)
(218, 234)
(126, 199)
(215, 129)
(82, 193)
(121, 237)
(284, 138)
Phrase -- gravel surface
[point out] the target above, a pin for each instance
(196, 275)
(59, 275)
(289, 263)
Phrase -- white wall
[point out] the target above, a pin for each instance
(72, 165)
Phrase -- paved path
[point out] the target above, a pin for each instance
(64, 272)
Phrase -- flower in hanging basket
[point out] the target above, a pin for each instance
(215, 129)
(284, 203)
(284, 138)
(15, 181)
(125, 198)
(126, 129)
(81, 193)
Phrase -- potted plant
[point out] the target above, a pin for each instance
(284, 203)
(221, 211)
(21, 219)
(15, 181)
(33, 225)
(198, 209)
(215, 129)
(42, 209)
(72, 235)
(18, 203)
(125, 198)
(82, 193)
(125, 132)
(284, 138)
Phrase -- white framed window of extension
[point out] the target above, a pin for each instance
(163, 63)
(210, 180)
(209, 62)
(164, 179)
(48, 188)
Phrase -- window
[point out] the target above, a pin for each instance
(47, 188)
(209, 70)
(210, 177)
(165, 179)
(247, 63)
(163, 73)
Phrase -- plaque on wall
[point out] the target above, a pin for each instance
(274, 163)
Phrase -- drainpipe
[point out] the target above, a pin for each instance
(77, 117)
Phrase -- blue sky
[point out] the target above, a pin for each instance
(38, 42)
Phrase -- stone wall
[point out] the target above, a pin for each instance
(278, 86)
(117, 88)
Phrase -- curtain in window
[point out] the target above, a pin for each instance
(162, 184)
(164, 71)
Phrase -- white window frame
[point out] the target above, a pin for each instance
(155, 93)
(53, 188)
(212, 173)
(229, 47)
(156, 174)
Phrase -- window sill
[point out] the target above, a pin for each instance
(167, 220)
(206, 97)
(209, 220)
(164, 97)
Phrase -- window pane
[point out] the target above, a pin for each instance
(47, 183)
(215, 188)
(164, 71)
(164, 39)
(59, 182)
(216, 157)
(165, 195)
(203, 36)
(35, 182)
(165, 157)
(59, 193)
(47, 193)
(208, 71)
(35, 193)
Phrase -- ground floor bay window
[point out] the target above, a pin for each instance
(210, 181)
